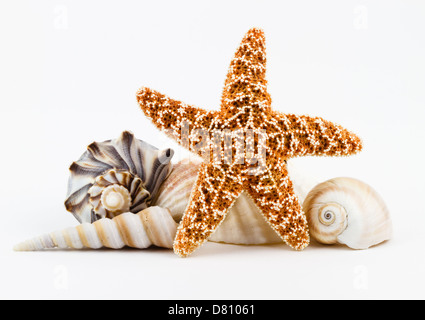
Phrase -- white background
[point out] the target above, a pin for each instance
(69, 71)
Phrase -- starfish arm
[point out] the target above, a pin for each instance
(245, 87)
(280, 207)
(177, 119)
(305, 135)
(214, 193)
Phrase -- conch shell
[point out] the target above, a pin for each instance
(152, 226)
(244, 223)
(347, 211)
(116, 176)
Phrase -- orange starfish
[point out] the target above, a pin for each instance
(228, 139)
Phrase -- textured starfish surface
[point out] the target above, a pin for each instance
(245, 146)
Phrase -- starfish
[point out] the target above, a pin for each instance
(227, 140)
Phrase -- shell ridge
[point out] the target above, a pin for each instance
(109, 155)
(84, 169)
(161, 169)
(125, 161)
(126, 145)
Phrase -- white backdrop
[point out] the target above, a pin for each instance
(69, 74)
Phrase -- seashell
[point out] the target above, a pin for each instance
(244, 223)
(152, 226)
(116, 176)
(347, 211)
(174, 193)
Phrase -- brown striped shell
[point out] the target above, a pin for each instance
(116, 176)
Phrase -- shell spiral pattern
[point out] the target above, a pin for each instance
(152, 226)
(347, 211)
(116, 176)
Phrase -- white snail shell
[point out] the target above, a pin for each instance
(347, 211)
(152, 226)
(116, 176)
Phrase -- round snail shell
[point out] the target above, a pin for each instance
(244, 223)
(116, 176)
(152, 226)
(347, 211)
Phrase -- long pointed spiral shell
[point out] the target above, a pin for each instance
(124, 162)
(347, 211)
(152, 226)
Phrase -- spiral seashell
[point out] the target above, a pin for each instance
(116, 176)
(116, 192)
(347, 211)
(244, 223)
(152, 226)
